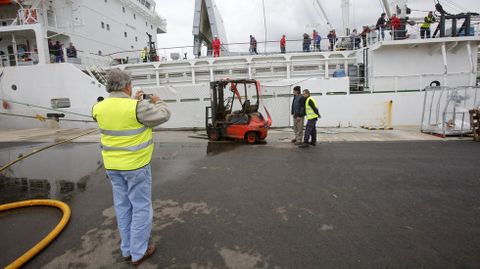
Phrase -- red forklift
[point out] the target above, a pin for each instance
(234, 114)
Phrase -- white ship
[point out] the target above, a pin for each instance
(384, 83)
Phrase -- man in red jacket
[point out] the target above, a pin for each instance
(395, 26)
(216, 47)
(283, 42)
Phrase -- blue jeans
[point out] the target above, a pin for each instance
(132, 197)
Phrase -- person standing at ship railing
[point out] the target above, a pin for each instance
(58, 50)
(144, 55)
(127, 146)
(381, 24)
(283, 44)
(254, 42)
(71, 51)
(216, 47)
(332, 38)
(425, 27)
(395, 26)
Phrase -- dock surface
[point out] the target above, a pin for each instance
(359, 199)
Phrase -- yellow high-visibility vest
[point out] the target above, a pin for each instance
(309, 110)
(143, 54)
(126, 143)
(427, 22)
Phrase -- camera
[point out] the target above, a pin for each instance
(147, 96)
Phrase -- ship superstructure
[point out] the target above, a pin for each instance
(40, 77)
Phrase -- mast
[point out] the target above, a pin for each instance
(346, 17)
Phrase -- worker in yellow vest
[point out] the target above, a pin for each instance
(312, 117)
(127, 147)
(144, 55)
(425, 26)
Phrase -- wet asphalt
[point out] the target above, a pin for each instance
(226, 205)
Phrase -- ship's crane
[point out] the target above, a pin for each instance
(345, 16)
(324, 14)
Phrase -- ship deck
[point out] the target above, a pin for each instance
(359, 199)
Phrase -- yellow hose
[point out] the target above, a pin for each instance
(47, 239)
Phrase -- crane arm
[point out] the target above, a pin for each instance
(324, 14)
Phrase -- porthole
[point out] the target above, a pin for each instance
(14, 87)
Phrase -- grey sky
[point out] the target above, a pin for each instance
(290, 17)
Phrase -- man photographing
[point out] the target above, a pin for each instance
(127, 147)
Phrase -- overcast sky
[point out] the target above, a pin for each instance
(290, 17)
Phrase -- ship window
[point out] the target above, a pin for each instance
(106, 1)
(108, 27)
(134, 16)
(60, 103)
(151, 26)
(99, 52)
(136, 39)
(125, 34)
(146, 24)
(123, 9)
(103, 25)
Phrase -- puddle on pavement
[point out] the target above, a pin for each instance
(62, 171)
(215, 148)
(55, 173)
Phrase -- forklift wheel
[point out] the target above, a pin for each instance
(214, 135)
(251, 137)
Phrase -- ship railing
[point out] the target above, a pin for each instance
(28, 16)
(19, 59)
(7, 22)
(239, 49)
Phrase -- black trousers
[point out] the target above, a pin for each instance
(310, 131)
(423, 31)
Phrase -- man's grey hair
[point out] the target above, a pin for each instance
(117, 80)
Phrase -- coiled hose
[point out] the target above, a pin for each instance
(47, 239)
(40, 202)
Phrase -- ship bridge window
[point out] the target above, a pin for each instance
(102, 25)
(108, 27)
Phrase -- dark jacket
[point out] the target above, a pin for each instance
(381, 23)
(298, 106)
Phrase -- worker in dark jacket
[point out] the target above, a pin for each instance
(381, 24)
(312, 117)
(298, 113)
